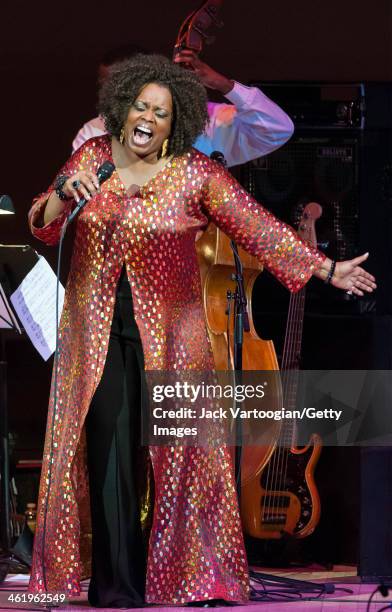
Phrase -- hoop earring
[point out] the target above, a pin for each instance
(165, 147)
(122, 136)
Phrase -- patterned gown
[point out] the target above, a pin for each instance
(196, 548)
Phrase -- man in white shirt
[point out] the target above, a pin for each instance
(251, 126)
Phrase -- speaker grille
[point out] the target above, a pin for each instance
(312, 169)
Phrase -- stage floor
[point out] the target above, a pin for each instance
(350, 595)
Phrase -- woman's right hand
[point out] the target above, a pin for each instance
(82, 184)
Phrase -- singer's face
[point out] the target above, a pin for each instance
(149, 120)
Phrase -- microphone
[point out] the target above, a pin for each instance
(219, 157)
(104, 172)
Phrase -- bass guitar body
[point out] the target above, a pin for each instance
(280, 504)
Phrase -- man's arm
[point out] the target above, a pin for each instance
(95, 127)
(252, 126)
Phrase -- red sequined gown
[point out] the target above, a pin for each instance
(196, 548)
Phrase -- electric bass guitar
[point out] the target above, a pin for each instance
(282, 499)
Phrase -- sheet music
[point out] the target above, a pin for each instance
(35, 304)
(7, 318)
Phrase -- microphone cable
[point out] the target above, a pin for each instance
(104, 172)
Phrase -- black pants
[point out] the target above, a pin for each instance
(113, 432)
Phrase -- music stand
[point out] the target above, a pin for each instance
(16, 261)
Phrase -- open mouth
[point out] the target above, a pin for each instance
(142, 135)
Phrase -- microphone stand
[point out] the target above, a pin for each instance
(241, 324)
(5, 530)
(104, 172)
(15, 543)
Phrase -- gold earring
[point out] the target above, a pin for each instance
(122, 136)
(165, 147)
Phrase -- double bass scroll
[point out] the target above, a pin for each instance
(193, 31)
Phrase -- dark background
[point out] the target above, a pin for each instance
(48, 65)
(50, 53)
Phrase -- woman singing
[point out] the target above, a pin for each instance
(133, 303)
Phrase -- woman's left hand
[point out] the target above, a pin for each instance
(353, 279)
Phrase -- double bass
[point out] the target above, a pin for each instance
(216, 270)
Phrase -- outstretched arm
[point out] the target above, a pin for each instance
(291, 260)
